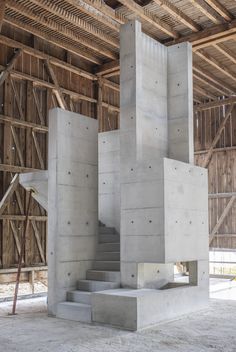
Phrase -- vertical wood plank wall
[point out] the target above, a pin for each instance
(21, 147)
(222, 170)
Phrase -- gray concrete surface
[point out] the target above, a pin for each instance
(31, 330)
(72, 201)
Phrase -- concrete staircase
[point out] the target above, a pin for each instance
(105, 275)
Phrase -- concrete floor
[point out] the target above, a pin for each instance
(210, 330)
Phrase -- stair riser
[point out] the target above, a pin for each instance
(82, 314)
(109, 266)
(79, 297)
(103, 276)
(96, 286)
(108, 256)
(108, 238)
(108, 247)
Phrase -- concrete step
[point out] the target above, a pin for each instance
(113, 256)
(108, 247)
(108, 238)
(74, 311)
(94, 286)
(79, 297)
(106, 265)
(101, 275)
(104, 229)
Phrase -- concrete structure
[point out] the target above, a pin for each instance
(159, 205)
(72, 201)
(164, 203)
(38, 183)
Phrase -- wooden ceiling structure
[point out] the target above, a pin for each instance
(66, 53)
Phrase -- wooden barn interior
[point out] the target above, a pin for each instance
(65, 54)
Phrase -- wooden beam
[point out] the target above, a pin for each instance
(220, 32)
(178, 15)
(206, 10)
(8, 194)
(40, 114)
(61, 29)
(222, 11)
(221, 195)
(206, 81)
(102, 7)
(52, 39)
(44, 56)
(16, 169)
(16, 236)
(37, 237)
(2, 12)
(149, 17)
(215, 104)
(222, 218)
(17, 97)
(17, 144)
(38, 151)
(215, 63)
(108, 67)
(75, 20)
(217, 137)
(23, 217)
(9, 66)
(58, 92)
(203, 92)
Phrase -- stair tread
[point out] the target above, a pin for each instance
(103, 271)
(98, 281)
(75, 304)
(80, 292)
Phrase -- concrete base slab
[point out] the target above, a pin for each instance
(136, 309)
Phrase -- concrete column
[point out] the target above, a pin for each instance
(180, 102)
(109, 178)
(72, 201)
(143, 144)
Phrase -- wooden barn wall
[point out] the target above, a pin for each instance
(24, 147)
(222, 170)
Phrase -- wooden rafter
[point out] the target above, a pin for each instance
(58, 92)
(218, 7)
(222, 218)
(226, 52)
(58, 28)
(99, 16)
(208, 156)
(78, 22)
(102, 7)
(199, 70)
(203, 92)
(9, 66)
(8, 194)
(207, 10)
(149, 17)
(215, 63)
(178, 14)
(207, 82)
(53, 40)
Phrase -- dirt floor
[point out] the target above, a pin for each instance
(25, 288)
(211, 330)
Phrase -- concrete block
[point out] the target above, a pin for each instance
(74, 311)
